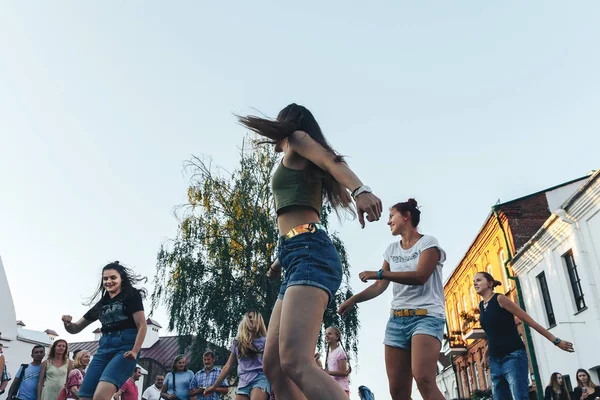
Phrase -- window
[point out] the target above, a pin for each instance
(489, 269)
(474, 298)
(567, 380)
(547, 301)
(466, 308)
(469, 379)
(505, 281)
(574, 278)
(476, 370)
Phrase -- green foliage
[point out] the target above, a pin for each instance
(214, 270)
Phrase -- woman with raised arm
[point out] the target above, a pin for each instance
(121, 313)
(414, 332)
(310, 172)
(506, 355)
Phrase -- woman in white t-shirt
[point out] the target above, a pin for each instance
(413, 336)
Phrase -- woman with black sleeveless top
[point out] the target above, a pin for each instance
(509, 369)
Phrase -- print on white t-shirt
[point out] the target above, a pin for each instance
(429, 296)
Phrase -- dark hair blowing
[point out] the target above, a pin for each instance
(409, 206)
(488, 277)
(128, 280)
(298, 118)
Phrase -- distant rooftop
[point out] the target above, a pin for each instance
(34, 337)
(163, 351)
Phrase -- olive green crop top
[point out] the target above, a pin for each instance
(293, 187)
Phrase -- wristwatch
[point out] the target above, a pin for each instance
(380, 274)
(556, 341)
(359, 190)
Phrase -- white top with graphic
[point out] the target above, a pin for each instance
(429, 296)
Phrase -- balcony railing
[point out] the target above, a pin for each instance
(472, 330)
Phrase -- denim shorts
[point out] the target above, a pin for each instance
(108, 364)
(509, 375)
(400, 330)
(310, 259)
(260, 382)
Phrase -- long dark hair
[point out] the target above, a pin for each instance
(128, 280)
(556, 388)
(298, 118)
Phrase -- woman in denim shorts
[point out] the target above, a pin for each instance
(309, 172)
(247, 352)
(413, 336)
(121, 313)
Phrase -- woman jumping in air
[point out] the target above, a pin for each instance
(310, 172)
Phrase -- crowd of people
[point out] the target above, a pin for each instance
(281, 361)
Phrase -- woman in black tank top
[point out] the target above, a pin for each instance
(506, 353)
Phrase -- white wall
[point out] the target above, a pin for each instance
(581, 328)
(446, 382)
(558, 196)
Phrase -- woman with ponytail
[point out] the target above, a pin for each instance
(121, 313)
(509, 369)
(336, 359)
(309, 173)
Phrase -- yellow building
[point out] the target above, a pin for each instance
(508, 227)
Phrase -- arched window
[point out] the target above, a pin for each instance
(505, 281)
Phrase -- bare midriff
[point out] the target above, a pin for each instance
(291, 217)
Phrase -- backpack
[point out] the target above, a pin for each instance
(20, 378)
(365, 393)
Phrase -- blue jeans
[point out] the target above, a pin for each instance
(400, 330)
(108, 364)
(310, 259)
(510, 376)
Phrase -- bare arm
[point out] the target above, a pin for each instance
(369, 293)
(342, 371)
(117, 395)
(428, 261)
(518, 312)
(225, 372)
(140, 322)
(12, 392)
(376, 288)
(74, 327)
(41, 379)
(303, 144)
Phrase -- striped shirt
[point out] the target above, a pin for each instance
(202, 379)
